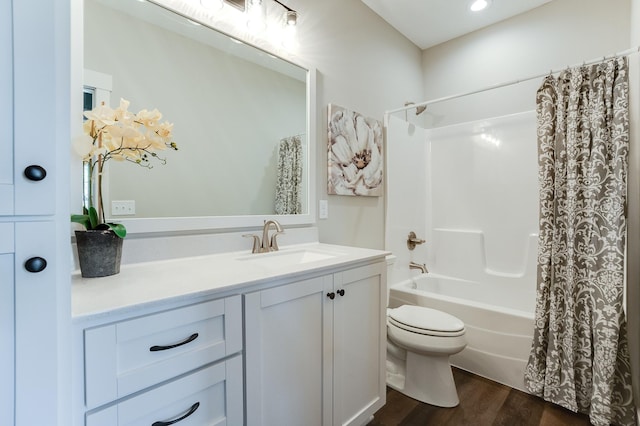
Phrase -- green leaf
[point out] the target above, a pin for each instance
(118, 228)
(82, 219)
(93, 217)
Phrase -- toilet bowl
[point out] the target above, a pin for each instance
(419, 343)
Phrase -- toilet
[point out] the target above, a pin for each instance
(419, 343)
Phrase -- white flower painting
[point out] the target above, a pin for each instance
(355, 153)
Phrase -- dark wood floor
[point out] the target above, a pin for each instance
(482, 403)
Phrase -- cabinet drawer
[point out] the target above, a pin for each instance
(213, 395)
(132, 355)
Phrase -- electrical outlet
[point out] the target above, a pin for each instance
(123, 208)
(323, 209)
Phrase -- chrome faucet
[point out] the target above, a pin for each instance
(422, 267)
(266, 244)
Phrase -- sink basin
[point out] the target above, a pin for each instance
(288, 257)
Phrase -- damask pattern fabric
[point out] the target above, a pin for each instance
(579, 357)
(289, 183)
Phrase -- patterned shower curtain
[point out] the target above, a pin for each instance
(579, 357)
(289, 181)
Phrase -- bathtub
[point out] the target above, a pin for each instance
(498, 317)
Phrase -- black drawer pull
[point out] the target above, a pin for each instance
(35, 264)
(331, 295)
(35, 173)
(191, 410)
(341, 292)
(189, 339)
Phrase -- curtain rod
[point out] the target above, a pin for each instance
(510, 83)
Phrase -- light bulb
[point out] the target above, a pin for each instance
(478, 5)
(291, 18)
(256, 16)
(289, 39)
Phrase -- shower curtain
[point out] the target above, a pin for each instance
(579, 357)
(289, 180)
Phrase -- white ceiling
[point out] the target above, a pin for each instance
(430, 22)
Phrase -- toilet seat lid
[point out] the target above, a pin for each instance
(419, 317)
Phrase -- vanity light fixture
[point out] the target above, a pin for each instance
(478, 5)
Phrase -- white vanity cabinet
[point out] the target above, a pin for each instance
(181, 364)
(314, 349)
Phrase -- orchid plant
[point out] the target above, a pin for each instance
(119, 135)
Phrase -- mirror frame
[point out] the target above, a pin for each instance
(210, 223)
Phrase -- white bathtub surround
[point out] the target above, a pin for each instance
(479, 178)
(580, 355)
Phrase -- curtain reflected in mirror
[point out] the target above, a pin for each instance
(289, 184)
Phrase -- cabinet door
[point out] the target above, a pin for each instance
(27, 181)
(36, 310)
(287, 338)
(6, 109)
(6, 322)
(359, 344)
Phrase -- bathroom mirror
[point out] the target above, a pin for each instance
(233, 106)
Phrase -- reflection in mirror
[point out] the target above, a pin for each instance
(239, 114)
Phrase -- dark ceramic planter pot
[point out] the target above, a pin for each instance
(99, 253)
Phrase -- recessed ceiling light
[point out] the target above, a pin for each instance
(479, 5)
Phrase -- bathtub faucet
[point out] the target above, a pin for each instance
(423, 267)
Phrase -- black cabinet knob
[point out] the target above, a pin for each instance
(35, 173)
(331, 295)
(341, 292)
(35, 264)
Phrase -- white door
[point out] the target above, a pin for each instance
(6, 109)
(36, 352)
(288, 335)
(359, 344)
(34, 108)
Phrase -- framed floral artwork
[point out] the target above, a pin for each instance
(355, 153)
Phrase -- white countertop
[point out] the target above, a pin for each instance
(146, 284)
